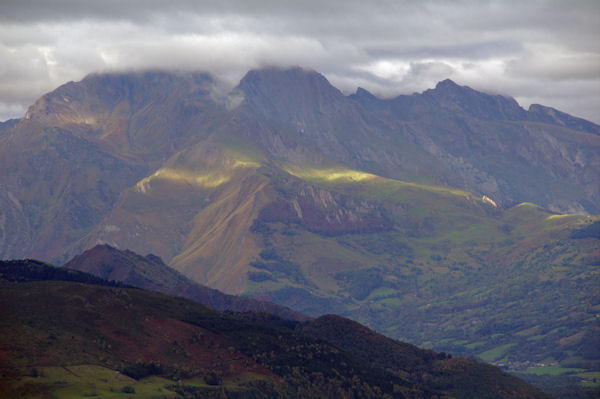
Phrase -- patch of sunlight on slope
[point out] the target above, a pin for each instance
(528, 205)
(329, 174)
(543, 214)
(561, 221)
(81, 120)
(565, 216)
(246, 163)
(210, 179)
(342, 175)
(247, 156)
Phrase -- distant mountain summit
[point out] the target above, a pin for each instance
(466, 101)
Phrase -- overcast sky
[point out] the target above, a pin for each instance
(544, 52)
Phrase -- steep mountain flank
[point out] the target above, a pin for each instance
(64, 165)
(491, 143)
(443, 261)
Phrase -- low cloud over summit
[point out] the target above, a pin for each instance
(540, 52)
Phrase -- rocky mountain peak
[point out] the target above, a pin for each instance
(363, 94)
(449, 85)
(289, 95)
(456, 98)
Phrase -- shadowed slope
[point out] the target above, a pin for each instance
(49, 324)
(435, 370)
(151, 273)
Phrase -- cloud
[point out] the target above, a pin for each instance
(389, 48)
(551, 62)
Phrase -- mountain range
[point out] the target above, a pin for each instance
(451, 219)
(84, 152)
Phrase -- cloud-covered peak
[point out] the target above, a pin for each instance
(541, 52)
(283, 75)
(282, 89)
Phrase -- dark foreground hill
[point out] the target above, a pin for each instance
(68, 339)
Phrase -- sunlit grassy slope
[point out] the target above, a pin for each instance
(83, 381)
(451, 271)
(383, 187)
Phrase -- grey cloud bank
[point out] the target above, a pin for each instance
(544, 52)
